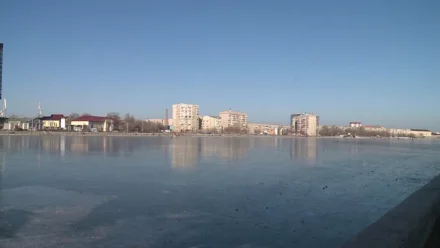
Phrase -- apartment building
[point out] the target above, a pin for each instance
(185, 117)
(211, 123)
(231, 118)
(305, 124)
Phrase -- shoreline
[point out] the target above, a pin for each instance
(102, 134)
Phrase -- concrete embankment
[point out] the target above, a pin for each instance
(409, 225)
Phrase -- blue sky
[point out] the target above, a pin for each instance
(373, 61)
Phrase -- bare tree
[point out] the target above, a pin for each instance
(235, 130)
(114, 115)
(73, 115)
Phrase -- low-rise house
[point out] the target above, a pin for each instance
(54, 122)
(89, 122)
(17, 124)
(36, 124)
(270, 129)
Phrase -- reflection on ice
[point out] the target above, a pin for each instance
(183, 152)
(29, 214)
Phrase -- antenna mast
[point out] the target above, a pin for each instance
(40, 111)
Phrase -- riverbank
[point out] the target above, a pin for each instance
(123, 134)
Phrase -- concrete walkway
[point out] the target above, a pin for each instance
(409, 225)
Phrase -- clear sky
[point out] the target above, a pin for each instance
(372, 61)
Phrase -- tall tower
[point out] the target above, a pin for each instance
(1, 68)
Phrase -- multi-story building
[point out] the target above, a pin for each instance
(231, 118)
(211, 123)
(185, 117)
(292, 119)
(355, 124)
(305, 124)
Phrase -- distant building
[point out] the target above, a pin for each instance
(421, 132)
(375, 128)
(211, 123)
(399, 132)
(89, 122)
(17, 124)
(54, 122)
(292, 119)
(36, 124)
(231, 118)
(305, 124)
(355, 124)
(185, 117)
(270, 129)
(161, 121)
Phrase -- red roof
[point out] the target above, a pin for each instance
(93, 118)
(55, 117)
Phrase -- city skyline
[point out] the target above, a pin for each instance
(267, 60)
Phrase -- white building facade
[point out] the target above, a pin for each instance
(185, 117)
(211, 123)
(231, 118)
(305, 124)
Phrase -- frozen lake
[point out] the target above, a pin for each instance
(59, 191)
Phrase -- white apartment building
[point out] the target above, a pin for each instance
(231, 118)
(305, 124)
(185, 117)
(211, 123)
